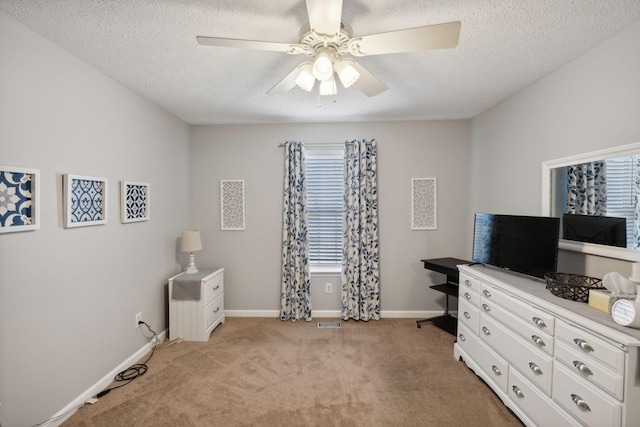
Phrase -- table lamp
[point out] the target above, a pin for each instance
(190, 243)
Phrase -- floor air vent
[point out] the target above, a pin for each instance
(329, 325)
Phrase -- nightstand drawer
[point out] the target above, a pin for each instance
(213, 287)
(214, 310)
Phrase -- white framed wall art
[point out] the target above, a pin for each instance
(232, 204)
(85, 200)
(134, 201)
(424, 204)
(19, 199)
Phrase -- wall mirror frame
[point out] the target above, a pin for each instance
(548, 197)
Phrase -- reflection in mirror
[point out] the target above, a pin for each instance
(596, 195)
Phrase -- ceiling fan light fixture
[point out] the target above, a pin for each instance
(328, 87)
(305, 79)
(346, 72)
(323, 65)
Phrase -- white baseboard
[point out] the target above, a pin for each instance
(334, 313)
(63, 414)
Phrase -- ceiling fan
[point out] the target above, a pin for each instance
(327, 41)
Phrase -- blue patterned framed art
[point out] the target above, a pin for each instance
(134, 201)
(85, 200)
(19, 199)
(232, 204)
(424, 204)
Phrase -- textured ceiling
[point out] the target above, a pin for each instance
(150, 47)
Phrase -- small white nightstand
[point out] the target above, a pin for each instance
(196, 304)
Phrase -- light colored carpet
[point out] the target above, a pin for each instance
(265, 372)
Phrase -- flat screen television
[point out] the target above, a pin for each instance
(604, 230)
(524, 244)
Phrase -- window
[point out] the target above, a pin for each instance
(621, 194)
(325, 186)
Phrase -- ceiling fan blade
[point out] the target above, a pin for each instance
(286, 84)
(325, 16)
(439, 36)
(367, 83)
(245, 44)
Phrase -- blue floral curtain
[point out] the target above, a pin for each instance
(360, 291)
(586, 189)
(295, 297)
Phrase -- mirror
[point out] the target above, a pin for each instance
(554, 198)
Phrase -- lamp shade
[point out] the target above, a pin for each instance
(346, 72)
(323, 65)
(328, 87)
(305, 79)
(191, 241)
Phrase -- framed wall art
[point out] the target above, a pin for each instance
(134, 201)
(423, 204)
(85, 200)
(19, 199)
(232, 205)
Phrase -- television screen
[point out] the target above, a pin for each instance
(604, 230)
(525, 244)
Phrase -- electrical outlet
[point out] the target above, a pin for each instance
(328, 288)
(138, 319)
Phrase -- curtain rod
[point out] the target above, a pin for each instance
(324, 144)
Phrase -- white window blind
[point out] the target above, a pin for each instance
(325, 186)
(621, 173)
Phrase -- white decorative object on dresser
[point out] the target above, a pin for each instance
(552, 361)
(196, 304)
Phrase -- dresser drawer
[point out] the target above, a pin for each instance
(531, 315)
(591, 346)
(469, 296)
(494, 366)
(589, 404)
(538, 407)
(469, 284)
(528, 331)
(469, 315)
(588, 368)
(213, 287)
(533, 363)
(214, 310)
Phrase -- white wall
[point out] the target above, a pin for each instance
(252, 257)
(68, 297)
(591, 103)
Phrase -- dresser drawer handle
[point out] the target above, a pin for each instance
(486, 330)
(496, 370)
(539, 322)
(535, 368)
(216, 288)
(486, 293)
(467, 315)
(580, 403)
(582, 367)
(467, 296)
(486, 308)
(583, 344)
(467, 282)
(216, 310)
(538, 341)
(462, 338)
(518, 392)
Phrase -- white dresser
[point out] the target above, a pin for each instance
(553, 362)
(196, 304)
